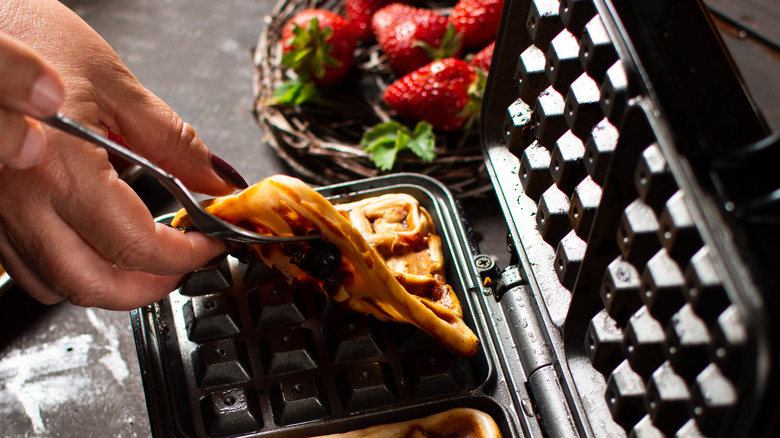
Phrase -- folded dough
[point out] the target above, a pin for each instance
(454, 423)
(379, 255)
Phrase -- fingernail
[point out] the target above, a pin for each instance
(47, 95)
(32, 149)
(227, 172)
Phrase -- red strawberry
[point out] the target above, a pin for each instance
(483, 57)
(360, 13)
(477, 20)
(412, 37)
(445, 93)
(319, 45)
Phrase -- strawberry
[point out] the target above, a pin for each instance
(477, 20)
(445, 93)
(411, 37)
(360, 13)
(319, 45)
(483, 57)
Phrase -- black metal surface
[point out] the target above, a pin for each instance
(242, 352)
(195, 54)
(671, 295)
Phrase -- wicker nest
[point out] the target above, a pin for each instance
(321, 142)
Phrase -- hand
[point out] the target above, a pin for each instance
(69, 227)
(31, 86)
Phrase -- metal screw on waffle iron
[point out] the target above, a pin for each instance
(299, 399)
(210, 317)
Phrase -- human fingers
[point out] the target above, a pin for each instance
(86, 192)
(107, 266)
(154, 130)
(22, 143)
(82, 277)
(96, 77)
(28, 85)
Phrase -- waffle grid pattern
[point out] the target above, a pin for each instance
(665, 336)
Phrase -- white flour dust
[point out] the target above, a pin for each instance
(44, 376)
(112, 359)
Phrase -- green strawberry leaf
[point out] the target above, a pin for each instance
(384, 141)
(311, 53)
(294, 92)
(423, 141)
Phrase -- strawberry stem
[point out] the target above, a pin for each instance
(448, 47)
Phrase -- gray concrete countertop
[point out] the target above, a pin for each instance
(73, 372)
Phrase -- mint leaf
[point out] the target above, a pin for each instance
(384, 141)
(380, 133)
(423, 141)
(384, 157)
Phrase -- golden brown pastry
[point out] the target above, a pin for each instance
(454, 423)
(378, 256)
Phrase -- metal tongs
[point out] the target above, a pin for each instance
(204, 221)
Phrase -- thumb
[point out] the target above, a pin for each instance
(30, 85)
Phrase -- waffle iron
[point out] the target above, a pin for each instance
(633, 170)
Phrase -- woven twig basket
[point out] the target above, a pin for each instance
(321, 142)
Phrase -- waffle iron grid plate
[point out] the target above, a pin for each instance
(236, 351)
(637, 302)
(607, 127)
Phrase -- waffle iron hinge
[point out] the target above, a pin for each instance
(537, 359)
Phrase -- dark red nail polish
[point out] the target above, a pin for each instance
(227, 172)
